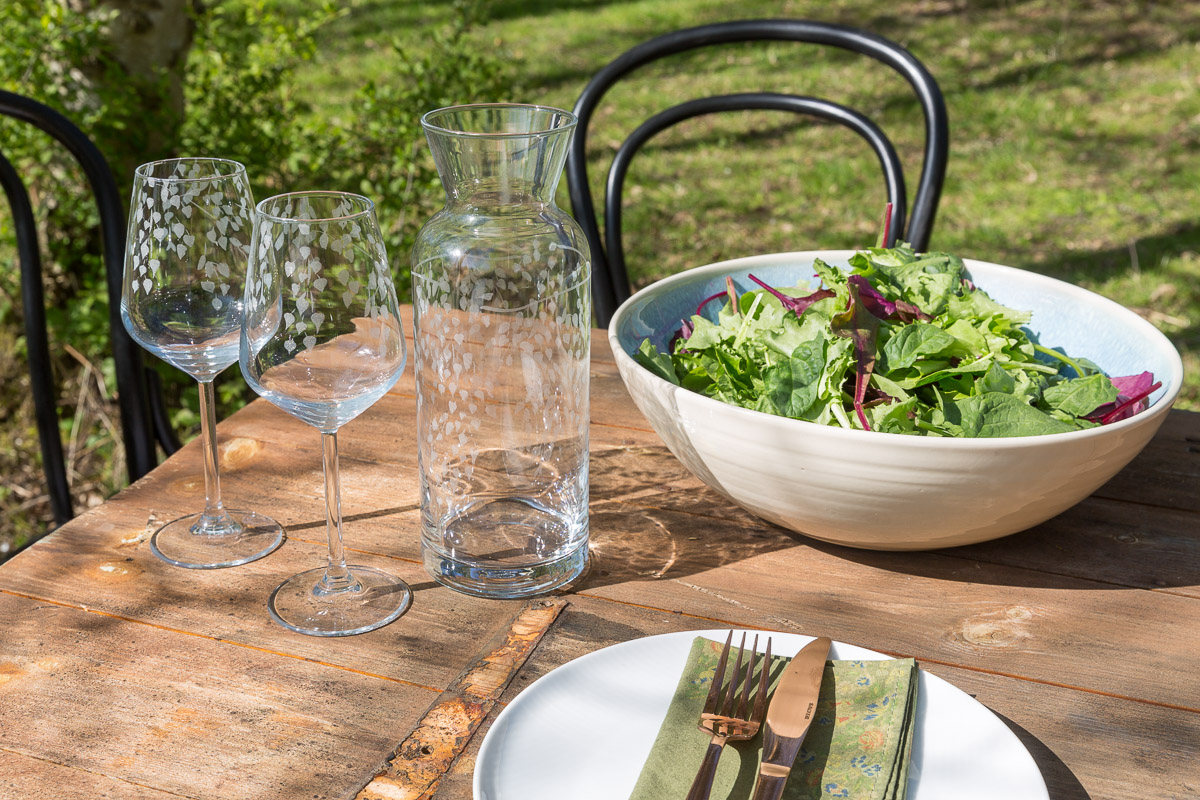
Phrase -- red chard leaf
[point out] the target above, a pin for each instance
(798, 305)
(883, 308)
(860, 326)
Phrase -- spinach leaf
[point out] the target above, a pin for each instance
(659, 363)
(1080, 396)
(996, 379)
(793, 385)
(995, 415)
(914, 341)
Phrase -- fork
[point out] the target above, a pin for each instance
(721, 720)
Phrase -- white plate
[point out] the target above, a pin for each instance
(583, 731)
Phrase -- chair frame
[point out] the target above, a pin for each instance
(610, 283)
(142, 411)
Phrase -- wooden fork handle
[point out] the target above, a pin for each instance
(702, 785)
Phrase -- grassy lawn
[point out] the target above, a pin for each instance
(1075, 132)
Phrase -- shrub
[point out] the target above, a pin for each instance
(241, 102)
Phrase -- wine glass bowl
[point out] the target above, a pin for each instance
(334, 381)
(322, 340)
(190, 228)
(190, 225)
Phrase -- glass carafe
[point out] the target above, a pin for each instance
(502, 313)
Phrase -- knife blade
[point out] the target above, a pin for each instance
(792, 709)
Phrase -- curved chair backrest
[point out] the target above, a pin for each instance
(610, 281)
(139, 398)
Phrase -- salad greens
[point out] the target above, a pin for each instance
(903, 343)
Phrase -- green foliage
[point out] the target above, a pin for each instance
(242, 100)
(56, 57)
(382, 153)
(240, 96)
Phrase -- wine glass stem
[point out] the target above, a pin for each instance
(337, 577)
(214, 511)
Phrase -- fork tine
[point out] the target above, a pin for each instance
(733, 682)
(711, 703)
(760, 697)
(745, 698)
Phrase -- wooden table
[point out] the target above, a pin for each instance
(123, 677)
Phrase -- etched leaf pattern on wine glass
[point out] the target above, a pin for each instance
(167, 220)
(297, 253)
(187, 248)
(323, 341)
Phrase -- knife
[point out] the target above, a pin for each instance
(791, 712)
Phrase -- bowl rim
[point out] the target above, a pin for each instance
(1158, 408)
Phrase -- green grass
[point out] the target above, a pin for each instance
(1075, 132)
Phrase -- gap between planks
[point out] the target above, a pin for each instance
(104, 775)
(416, 767)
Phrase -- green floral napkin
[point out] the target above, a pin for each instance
(858, 746)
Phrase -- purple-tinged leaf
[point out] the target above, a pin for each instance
(1130, 385)
(733, 295)
(708, 300)
(875, 396)
(860, 326)
(883, 308)
(797, 305)
(1131, 406)
(1132, 393)
(684, 333)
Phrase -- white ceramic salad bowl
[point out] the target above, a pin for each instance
(889, 491)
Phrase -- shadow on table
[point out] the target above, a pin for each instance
(1060, 781)
(1079, 549)
(651, 519)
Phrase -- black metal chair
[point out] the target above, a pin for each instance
(142, 410)
(610, 280)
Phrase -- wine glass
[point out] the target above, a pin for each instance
(190, 223)
(322, 340)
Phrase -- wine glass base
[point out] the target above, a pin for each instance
(381, 599)
(250, 537)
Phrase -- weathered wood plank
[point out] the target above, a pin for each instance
(1090, 746)
(956, 611)
(424, 757)
(24, 777)
(187, 714)
(113, 571)
(671, 545)
(1102, 539)
(1115, 541)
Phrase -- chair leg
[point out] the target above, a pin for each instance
(163, 432)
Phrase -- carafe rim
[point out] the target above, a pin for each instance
(569, 121)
